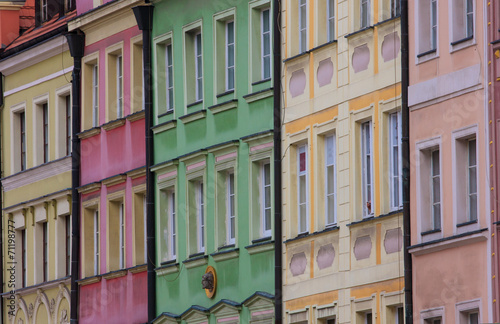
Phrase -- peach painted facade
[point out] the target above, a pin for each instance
(113, 284)
(449, 200)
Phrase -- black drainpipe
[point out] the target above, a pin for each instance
(144, 17)
(405, 116)
(1, 196)
(278, 302)
(76, 43)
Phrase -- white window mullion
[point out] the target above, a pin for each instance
(367, 168)
(302, 189)
(331, 181)
(230, 209)
(95, 96)
(266, 43)
(472, 180)
(198, 67)
(119, 87)
(230, 55)
(122, 236)
(330, 20)
(266, 198)
(201, 218)
(172, 224)
(169, 78)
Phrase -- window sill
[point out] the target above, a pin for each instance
(89, 133)
(323, 45)
(194, 103)
(225, 93)
(432, 51)
(113, 124)
(259, 95)
(89, 280)
(372, 218)
(115, 274)
(138, 268)
(263, 239)
(306, 235)
(261, 81)
(387, 20)
(163, 127)
(427, 56)
(460, 41)
(193, 116)
(467, 223)
(195, 261)
(224, 106)
(167, 268)
(303, 54)
(359, 31)
(448, 242)
(169, 112)
(438, 230)
(260, 247)
(225, 254)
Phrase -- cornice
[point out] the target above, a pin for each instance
(34, 55)
(37, 173)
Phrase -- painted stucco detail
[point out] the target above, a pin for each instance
(362, 247)
(393, 241)
(298, 264)
(325, 72)
(360, 58)
(297, 83)
(391, 46)
(326, 255)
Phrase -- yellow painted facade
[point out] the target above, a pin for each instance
(351, 269)
(37, 199)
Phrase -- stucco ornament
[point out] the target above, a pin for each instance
(209, 281)
(64, 317)
(20, 321)
(31, 309)
(52, 305)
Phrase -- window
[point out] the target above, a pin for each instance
(364, 13)
(230, 209)
(395, 8)
(435, 190)
(136, 74)
(331, 181)
(395, 161)
(67, 101)
(45, 132)
(24, 258)
(67, 230)
(45, 246)
(463, 20)
(330, 19)
(368, 318)
(302, 26)
(400, 315)
(265, 15)
(119, 87)
(473, 318)
(145, 227)
(200, 211)
(427, 26)
(172, 224)
(95, 96)
(230, 55)
(22, 128)
(471, 181)
(265, 196)
(122, 236)
(96, 242)
(367, 168)
(45, 10)
(198, 67)
(469, 18)
(433, 24)
(302, 190)
(169, 77)
(436, 320)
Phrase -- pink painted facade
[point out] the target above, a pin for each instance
(112, 179)
(450, 192)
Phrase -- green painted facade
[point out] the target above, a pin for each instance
(205, 141)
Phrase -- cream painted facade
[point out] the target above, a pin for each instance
(37, 197)
(342, 103)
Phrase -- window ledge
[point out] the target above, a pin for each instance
(467, 223)
(89, 280)
(193, 116)
(437, 230)
(262, 94)
(305, 235)
(32, 289)
(387, 20)
(195, 261)
(225, 93)
(115, 274)
(114, 124)
(169, 112)
(303, 54)
(460, 41)
(223, 106)
(225, 254)
(163, 127)
(359, 31)
(323, 45)
(138, 268)
(263, 239)
(432, 51)
(114, 180)
(194, 103)
(89, 133)
(372, 218)
(168, 268)
(136, 116)
(261, 81)
(448, 242)
(495, 41)
(260, 247)
(88, 188)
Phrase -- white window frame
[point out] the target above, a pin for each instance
(364, 14)
(435, 219)
(200, 214)
(121, 241)
(367, 187)
(119, 86)
(263, 33)
(230, 199)
(263, 185)
(95, 95)
(469, 14)
(330, 20)
(96, 242)
(145, 220)
(395, 175)
(198, 54)
(334, 165)
(172, 247)
(302, 149)
(303, 29)
(45, 12)
(470, 167)
(433, 37)
(169, 61)
(230, 69)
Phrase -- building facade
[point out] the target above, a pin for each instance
(112, 280)
(342, 182)
(450, 189)
(36, 163)
(213, 153)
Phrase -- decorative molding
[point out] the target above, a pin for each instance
(89, 133)
(225, 255)
(115, 274)
(260, 247)
(91, 187)
(136, 173)
(114, 124)
(37, 173)
(168, 269)
(164, 127)
(37, 82)
(139, 268)
(443, 244)
(114, 180)
(89, 280)
(137, 115)
(228, 105)
(193, 116)
(195, 262)
(259, 95)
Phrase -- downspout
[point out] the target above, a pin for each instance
(76, 43)
(144, 17)
(278, 237)
(405, 116)
(1, 199)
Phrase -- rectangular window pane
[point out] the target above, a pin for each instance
(302, 25)
(199, 67)
(266, 43)
(230, 55)
(433, 29)
(302, 188)
(169, 78)
(201, 219)
(95, 99)
(474, 318)
(119, 87)
(331, 20)
(469, 18)
(266, 203)
(330, 180)
(366, 161)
